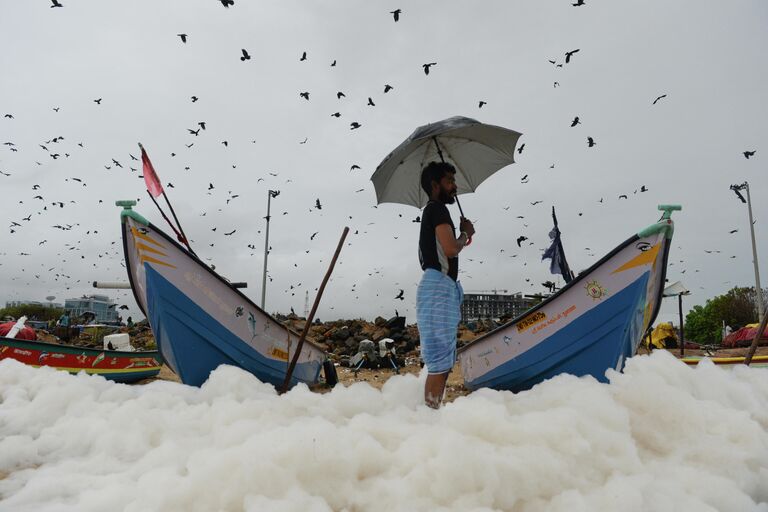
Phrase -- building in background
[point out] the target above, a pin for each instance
(494, 305)
(101, 305)
(17, 303)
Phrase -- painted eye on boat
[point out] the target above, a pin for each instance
(643, 246)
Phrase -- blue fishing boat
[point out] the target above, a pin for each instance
(201, 321)
(594, 323)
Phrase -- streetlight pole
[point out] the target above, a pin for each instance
(758, 290)
(270, 195)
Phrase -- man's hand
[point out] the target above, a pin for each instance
(466, 226)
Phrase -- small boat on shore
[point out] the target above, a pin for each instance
(592, 324)
(200, 320)
(728, 362)
(117, 365)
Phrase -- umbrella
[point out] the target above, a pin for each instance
(475, 149)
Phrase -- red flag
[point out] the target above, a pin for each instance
(150, 176)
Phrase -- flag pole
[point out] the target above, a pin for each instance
(154, 189)
(183, 235)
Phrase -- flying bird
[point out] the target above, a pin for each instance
(387, 88)
(578, 3)
(56, 4)
(313, 235)
(733, 231)
(535, 203)
(227, 3)
(521, 239)
(355, 125)
(568, 55)
(98, 101)
(194, 99)
(520, 149)
(590, 141)
(304, 95)
(427, 66)
(575, 121)
(183, 37)
(400, 295)
(303, 57)
(230, 233)
(354, 166)
(370, 102)
(481, 103)
(318, 205)
(245, 53)
(396, 14)
(748, 154)
(658, 98)
(336, 114)
(623, 196)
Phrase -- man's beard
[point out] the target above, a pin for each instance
(445, 197)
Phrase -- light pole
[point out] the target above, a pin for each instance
(758, 290)
(270, 195)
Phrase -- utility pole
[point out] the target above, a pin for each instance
(270, 195)
(758, 290)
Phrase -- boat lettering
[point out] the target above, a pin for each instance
(530, 320)
(196, 280)
(562, 314)
(486, 353)
(22, 352)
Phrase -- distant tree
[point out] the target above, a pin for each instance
(701, 325)
(32, 312)
(736, 308)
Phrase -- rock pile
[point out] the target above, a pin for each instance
(341, 338)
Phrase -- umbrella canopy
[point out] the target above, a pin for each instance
(475, 149)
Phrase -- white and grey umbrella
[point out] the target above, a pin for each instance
(475, 149)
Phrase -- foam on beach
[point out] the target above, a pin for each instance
(660, 437)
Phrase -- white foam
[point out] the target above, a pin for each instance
(660, 437)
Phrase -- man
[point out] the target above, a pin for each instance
(64, 324)
(439, 296)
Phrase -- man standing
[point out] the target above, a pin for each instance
(439, 296)
(64, 324)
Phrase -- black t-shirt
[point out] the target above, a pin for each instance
(431, 253)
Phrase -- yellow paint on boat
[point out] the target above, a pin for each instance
(150, 259)
(139, 234)
(644, 258)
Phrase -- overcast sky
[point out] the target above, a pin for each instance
(708, 57)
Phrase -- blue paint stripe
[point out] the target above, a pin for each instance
(193, 343)
(601, 338)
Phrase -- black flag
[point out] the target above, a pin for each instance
(558, 264)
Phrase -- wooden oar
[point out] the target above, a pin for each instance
(311, 316)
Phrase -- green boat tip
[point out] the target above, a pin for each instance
(663, 224)
(128, 211)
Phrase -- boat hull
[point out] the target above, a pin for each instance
(114, 365)
(201, 322)
(591, 325)
(728, 362)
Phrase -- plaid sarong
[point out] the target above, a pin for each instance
(438, 313)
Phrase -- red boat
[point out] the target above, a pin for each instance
(116, 365)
